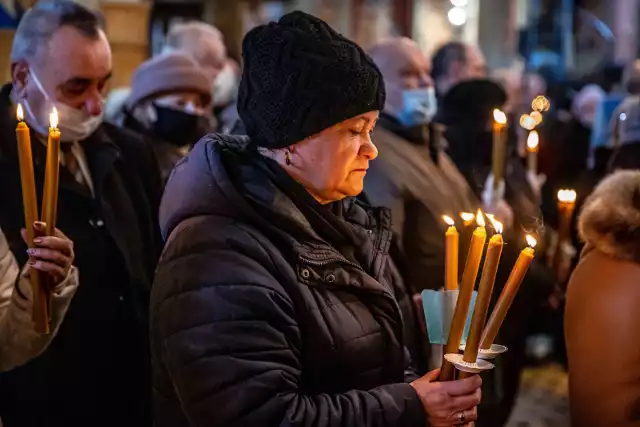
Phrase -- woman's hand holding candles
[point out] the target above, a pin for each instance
(467, 284)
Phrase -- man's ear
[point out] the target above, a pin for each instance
(20, 78)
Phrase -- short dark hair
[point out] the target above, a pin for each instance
(40, 22)
(446, 55)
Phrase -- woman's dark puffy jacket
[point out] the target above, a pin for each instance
(269, 309)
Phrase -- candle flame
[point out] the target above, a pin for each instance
(567, 196)
(480, 219)
(497, 225)
(500, 117)
(53, 119)
(20, 113)
(531, 241)
(533, 140)
(450, 222)
(467, 216)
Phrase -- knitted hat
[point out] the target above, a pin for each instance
(166, 73)
(301, 77)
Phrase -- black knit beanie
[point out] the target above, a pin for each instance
(300, 77)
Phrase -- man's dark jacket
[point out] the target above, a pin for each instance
(269, 309)
(96, 372)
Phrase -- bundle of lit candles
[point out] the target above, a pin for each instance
(39, 282)
(481, 336)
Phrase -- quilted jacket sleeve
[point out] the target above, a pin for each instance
(226, 334)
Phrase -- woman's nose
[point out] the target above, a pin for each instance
(369, 149)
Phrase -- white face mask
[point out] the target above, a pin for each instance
(75, 125)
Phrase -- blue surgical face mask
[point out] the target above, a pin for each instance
(419, 106)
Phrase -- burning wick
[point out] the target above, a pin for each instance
(53, 119)
(497, 225)
(450, 222)
(531, 241)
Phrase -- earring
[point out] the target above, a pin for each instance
(287, 157)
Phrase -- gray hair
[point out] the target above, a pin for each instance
(42, 20)
(182, 33)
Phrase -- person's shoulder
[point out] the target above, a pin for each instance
(223, 249)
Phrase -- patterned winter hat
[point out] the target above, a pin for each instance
(301, 77)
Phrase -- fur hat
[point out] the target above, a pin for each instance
(610, 217)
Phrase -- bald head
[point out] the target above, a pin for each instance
(403, 67)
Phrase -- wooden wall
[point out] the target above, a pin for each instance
(128, 31)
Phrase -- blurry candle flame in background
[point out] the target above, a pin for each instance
(533, 140)
(567, 196)
(500, 117)
(467, 216)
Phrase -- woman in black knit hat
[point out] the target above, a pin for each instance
(275, 301)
